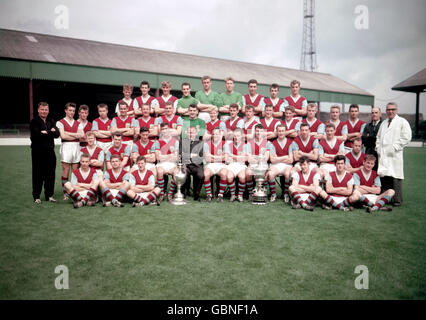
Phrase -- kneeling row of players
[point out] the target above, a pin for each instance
(342, 189)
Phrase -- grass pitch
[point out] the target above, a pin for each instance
(207, 251)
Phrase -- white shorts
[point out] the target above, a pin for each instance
(148, 166)
(312, 166)
(70, 152)
(371, 197)
(83, 194)
(304, 196)
(280, 167)
(338, 200)
(104, 145)
(144, 195)
(167, 166)
(204, 116)
(215, 167)
(114, 192)
(328, 167)
(236, 167)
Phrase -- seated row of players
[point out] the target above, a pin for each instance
(114, 184)
(228, 159)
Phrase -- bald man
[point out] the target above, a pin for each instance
(370, 133)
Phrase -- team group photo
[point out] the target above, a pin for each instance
(222, 140)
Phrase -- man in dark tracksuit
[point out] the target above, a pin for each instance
(370, 133)
(43, 131)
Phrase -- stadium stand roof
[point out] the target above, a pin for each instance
(415, 83)
(41, 56)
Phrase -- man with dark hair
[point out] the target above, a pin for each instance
(275, 101)
(115, 183)
(208, 99)
(250, 122)
(229, 97)
(101, 128)
(70, 131)
(367, 185)
(144, 98)
(170, 117)
(191, 151)
(213, 151)
(269, 122)
(355, 126)
(370, 133)
(142, 185)
(118, 147)
(292, 124)
(145, 120)
(83, 113)
(123, 124)
(84, 183)
(339, 187)
(185, 101)
(328, 148)
(253, 98)
(355, 158)
(305, 188)
(43, 132)
(166, 153)
(281, 157)
(233, 122)
(193, 121)
(144, 147)
(305, 145)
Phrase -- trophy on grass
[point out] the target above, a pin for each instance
(180, 177)
(260, 195)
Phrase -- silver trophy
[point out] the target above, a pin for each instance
(180, 177)
(260, 195)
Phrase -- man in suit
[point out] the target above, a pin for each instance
(369, 134)
(43, 132)
(191, 150)
(393, 136)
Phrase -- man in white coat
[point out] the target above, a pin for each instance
(394, 134)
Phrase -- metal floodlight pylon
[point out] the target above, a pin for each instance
(308, 60)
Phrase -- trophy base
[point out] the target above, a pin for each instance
(179, 200)
(259, 200)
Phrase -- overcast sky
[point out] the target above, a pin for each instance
(267, 32)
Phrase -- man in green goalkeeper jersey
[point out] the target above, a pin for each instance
(208, 99)
(229, 97)
(185, 101)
